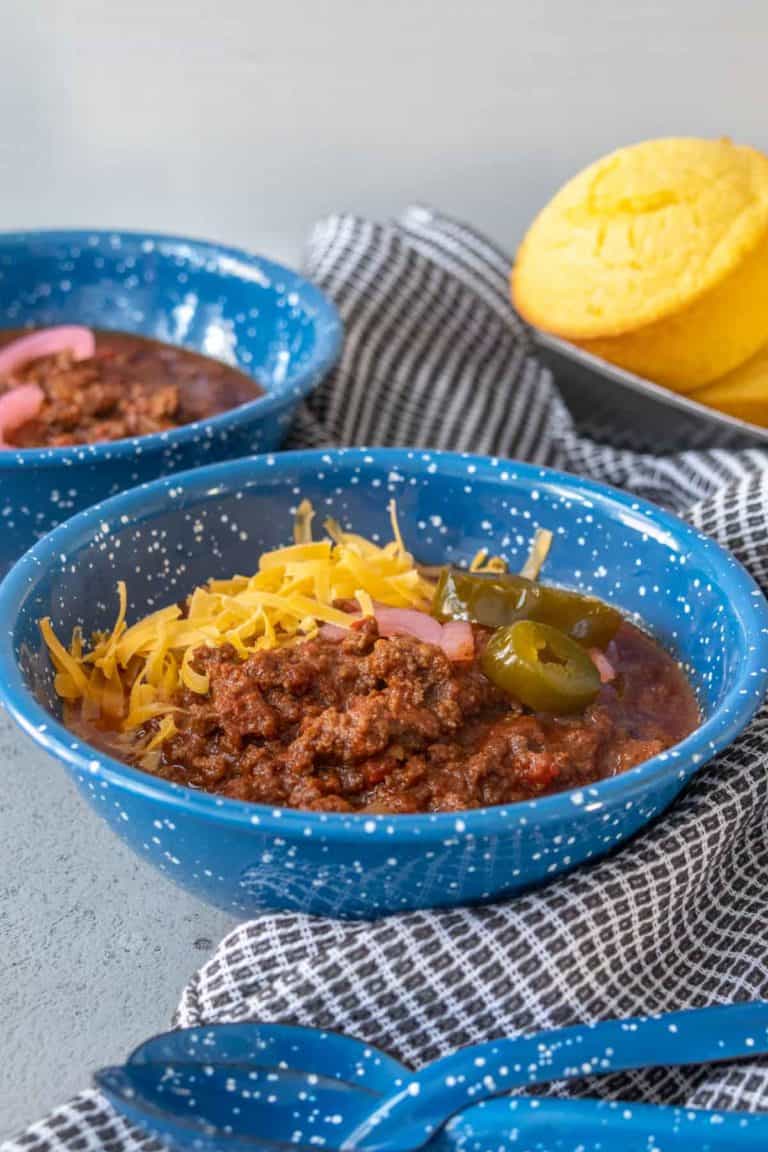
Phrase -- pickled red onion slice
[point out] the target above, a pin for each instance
(603, 665)
(458, 640)
(17, 406)
(409, 622)
(46, 342)
(456, 637)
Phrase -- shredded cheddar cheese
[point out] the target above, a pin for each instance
(131, 674)
(129, 677)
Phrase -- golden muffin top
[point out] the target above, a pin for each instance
(640, 234)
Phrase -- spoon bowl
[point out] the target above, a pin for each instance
(252, 1086)
(203, 1106)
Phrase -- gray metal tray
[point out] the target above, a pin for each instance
(608, 403)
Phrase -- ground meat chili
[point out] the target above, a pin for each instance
(376, 724)
(131, 386)
(341, 676)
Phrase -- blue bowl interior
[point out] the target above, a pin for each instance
(232, 306)
(166, 538)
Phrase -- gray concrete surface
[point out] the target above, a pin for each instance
(95, 946)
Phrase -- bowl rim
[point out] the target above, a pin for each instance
(328, 333)
(747, 605)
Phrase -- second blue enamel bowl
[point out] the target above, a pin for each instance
(167, 536)
(250, 312)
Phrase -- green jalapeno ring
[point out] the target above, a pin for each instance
(541, 667)
(490, 600)
(497, 599)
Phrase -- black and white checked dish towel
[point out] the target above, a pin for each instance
(436, 357)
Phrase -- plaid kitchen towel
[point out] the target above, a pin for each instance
(435, 356)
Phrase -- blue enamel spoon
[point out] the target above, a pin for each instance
(262, 1086)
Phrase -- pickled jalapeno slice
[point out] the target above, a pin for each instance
(492, 600)
(583, 618)
(498, 599)
(541, 667)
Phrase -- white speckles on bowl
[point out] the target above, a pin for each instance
(168, 536)
(224, 303)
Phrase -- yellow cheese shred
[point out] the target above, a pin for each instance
(542, 542)
(165, 729)
(483, 563)
(66, 663)
(195, 681)
(302, 524)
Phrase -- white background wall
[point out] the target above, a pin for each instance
(245, 120)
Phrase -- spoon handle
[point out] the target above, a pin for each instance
(597, 1125)
(452, 1083)
(693, 1036)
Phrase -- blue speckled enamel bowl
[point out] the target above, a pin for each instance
(228, 304)
(165, 537)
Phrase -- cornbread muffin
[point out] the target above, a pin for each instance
(743, 392)
(656, 258)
